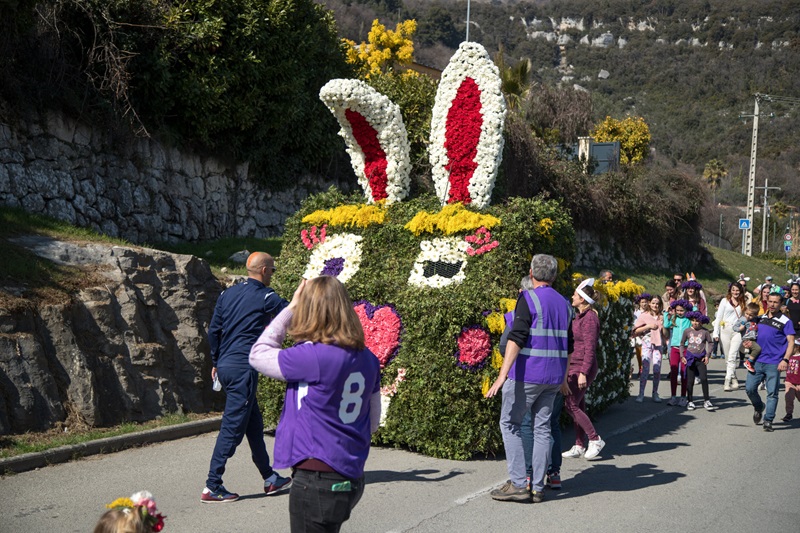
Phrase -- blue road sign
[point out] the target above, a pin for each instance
(744, 223)
(787, 248)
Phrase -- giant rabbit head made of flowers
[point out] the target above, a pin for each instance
(430, 277)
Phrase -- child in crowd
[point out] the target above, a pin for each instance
(676, 321)
(792, 381)
(695, 349)
(649, 327)
(748, 327)
(137, 514)
(641, 304)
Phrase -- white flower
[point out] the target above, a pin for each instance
(441, 262)
(341, 96)
(386, 400)
(470, 61)
(340, 251)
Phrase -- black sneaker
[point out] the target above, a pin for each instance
(757, 415)
(767, 425)
(510, 493)
(787, 418)
(537, 496)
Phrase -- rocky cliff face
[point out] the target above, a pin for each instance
(130, 348)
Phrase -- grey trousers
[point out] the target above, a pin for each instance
(518, 398)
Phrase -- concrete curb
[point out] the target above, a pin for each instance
(62, 454)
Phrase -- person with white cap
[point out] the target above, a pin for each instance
(582, 370)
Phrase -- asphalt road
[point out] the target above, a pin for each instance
(664, 469)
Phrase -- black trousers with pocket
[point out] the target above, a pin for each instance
(314, 507)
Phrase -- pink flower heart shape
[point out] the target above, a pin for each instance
(382, 329)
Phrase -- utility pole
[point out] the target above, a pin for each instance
(751, 181)
(467, 39)
(747, 235)
(766, 188)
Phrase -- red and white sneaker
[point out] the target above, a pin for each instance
(221, 495)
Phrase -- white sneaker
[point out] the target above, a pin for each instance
(683, 401)
(697, 381)
(574, 452)
(762, 386)
(709, 406)
(656, 397)
(691, 406)
(640, 398)
(594, 449)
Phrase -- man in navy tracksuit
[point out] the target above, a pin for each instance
(241, 314)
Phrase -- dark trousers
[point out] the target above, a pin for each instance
(241, 417)
(696, 368)
(314, 505)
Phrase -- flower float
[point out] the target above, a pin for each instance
(442, 260)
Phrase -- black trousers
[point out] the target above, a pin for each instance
(697, 368)
(315, 504)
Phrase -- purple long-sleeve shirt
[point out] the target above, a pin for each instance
(585, 332)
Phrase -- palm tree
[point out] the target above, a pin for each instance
(515, 80)
(714, 172)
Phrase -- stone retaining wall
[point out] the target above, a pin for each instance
(137, 189)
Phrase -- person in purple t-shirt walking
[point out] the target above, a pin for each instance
(332, 404)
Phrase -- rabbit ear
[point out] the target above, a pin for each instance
(376, 138)
(467, 128)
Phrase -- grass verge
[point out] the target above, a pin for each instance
(13, 445)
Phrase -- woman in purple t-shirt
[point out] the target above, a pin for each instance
(332, 402)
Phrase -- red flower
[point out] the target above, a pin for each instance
(462, 133)
(474, 346)
(375, 162)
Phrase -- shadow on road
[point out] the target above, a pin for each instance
(388, 476)
(602, 477)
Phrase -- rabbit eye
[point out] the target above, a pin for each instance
(441, 262)
(339, 256)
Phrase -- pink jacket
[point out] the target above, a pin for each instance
(585, 332)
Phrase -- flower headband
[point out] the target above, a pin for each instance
(686, 304)
(691, 284)
(143, 503)
(585, 296)
(697, 315)
(644, 296)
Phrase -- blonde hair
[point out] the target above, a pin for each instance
(121, 521)
(324, 313)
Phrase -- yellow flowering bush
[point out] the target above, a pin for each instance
(633, 135)
(453, 218)
(384, 48)
(507, 304)
(120, 503)
(348, 216)
(543, 228)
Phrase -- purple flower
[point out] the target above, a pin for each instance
(686, 304)
(691, 284)
(333, 267)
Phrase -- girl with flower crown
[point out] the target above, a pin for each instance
(137, 514)
(692, 292)
(676, 321)
(695, 350)
(731, 309)
(649, 327)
